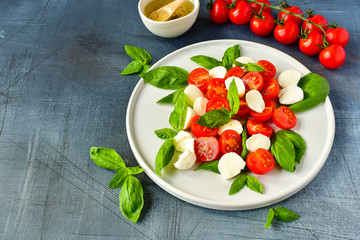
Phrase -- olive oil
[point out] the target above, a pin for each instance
(182, 11)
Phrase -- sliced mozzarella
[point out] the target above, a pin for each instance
(257, 141)
(190, 114)
(255, 101)
(186, 160)
(289, 78)
(218, 72)
(184, 141)
(291, 95)
(200, 105)
(239, 84)
(230, 165)
(244, 60)
(192, 92)
(232, 125)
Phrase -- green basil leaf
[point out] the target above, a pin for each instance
(177, 117)
(144, 70)
(233, 97)
(316, 88)
(171, 98)
(133, 67)
(283, 151)
(239, 64)
(138, 54)
(254, 184)
(238, 184)
(119, 178)
(164, 156)
(285, 215)
(167, 77)
(131, 198)
(107, 158)
(244, 137)
(165, 133)
(297, 141)
(214, 118)
(206, 62)
(230, 55)
(134, 170)
(269, 218)
(254, 67)
(210, 166)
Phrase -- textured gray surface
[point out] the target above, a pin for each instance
(61, 93)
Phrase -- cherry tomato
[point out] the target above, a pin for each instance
(257, 7)
(253, 81)
(206, 148)
(284, 118)
(243, 108)
(241, 14)
(216, 88)
(318, 19)
(260, 162)
(337, 36)
(235, 72)
(270, 69)
(266, 114)
(218, 11)
(333, 56)
(287, 17)
(230, 141)
(199, 77)
(310, 44)
(270, 90)
(217, 103)
(200, 131)
(288, 33)
(262, 26)
(255, 127)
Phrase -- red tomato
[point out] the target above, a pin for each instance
(255, 127)
(318, 19)
(199, 77)
(216, 88)
(230, 141)
(309, 44)
(206, 148)
(333, 56)
(235, 72)
(257, 7)
(260, 162)
(270, 69)
(217, 103)
(262, 26)
(200, 131)
(284, 118)
(253, 81)
(288, 33)
(241, 14)
(270, 90)
(243, 108)
(266, 114)
(287, 17)
(337, 36)
(218, 11)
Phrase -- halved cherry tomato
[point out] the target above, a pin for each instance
(235, 72)
(230, 141)
(243, 108)
(255, 127)
(200, 131)
(216, 88)
(266, 114)
(253, 81)
(199, 77)
(260, 162)
(284, 118)
(217, 103)
(270, 90)
(206, 148)
(257, 7)
(270, 69)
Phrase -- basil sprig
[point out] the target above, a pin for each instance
(281, 214)
(250, 181)
(164, 155)
(140, 63)
(251, 67)
(209, 166)
(171, 98)
(167, 77)
(206, 62)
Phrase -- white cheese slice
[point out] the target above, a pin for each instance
(231, 125)
(244, 60)
(291, 95)
(218, 72)
(230, 165)
(190, 114)
(192, 92)
(200, 105)
(255, 101)
(289, 78)
(257, 141)
(186, 160)
(184, 141)
(239, 84)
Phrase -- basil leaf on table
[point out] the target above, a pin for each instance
(177, 117)
(283, 151)
(214, 118)
(144, 70)
(171, 98)
(210, 166)
(164, 155)
(269, 218)
(167, 77)
(119, 178)
(206, 62)
(133, 67)
(107, 158)
(165, 133)
(233, 97)
(134, 170)
(254, 184)
(297, 141)
(285, 215)
(230, 55)
(138, 54)
(238, 184)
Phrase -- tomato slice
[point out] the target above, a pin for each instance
(270, 69)
(253, 81)
(235, 72)
(206, 148)
(217, 103)
(260, 162)
(270, 89)
(284, 118)
(216, 88)
(199, 77)
(255, 127)
(200, 131)
(230, 141)
(243, 108)
(266, 114)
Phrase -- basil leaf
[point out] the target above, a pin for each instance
(177, 117)
(131, 198)
(138, 54)
(133, 67)
(233, 97)
(316, 88)
(210, 166)
(254, 67)
(206, 62)
(297, 141)
(230, 55)
(167, 77)
(134, 170)
(144, 70)
(165, 133)
(119, 178)
(285, 215)
(164, 156)
(214, 118)
(283, 151)
(269, 218)
(238, 184)
(244, 136)
(171, 98)
(107, 158)
(254, 184)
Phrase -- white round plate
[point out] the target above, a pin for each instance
(208, 189)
